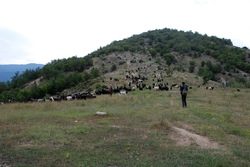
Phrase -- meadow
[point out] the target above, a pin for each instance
(143, 128)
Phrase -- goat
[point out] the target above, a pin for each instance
(123, 93)
(210, 88)
(156, 88)
(69, 98)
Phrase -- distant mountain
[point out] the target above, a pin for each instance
(8, 71)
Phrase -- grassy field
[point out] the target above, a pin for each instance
(143, 128)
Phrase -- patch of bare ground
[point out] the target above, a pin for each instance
(37, 81)
(183, 137)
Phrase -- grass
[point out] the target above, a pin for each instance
(136, 131)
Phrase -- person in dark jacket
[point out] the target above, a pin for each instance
(183, 92)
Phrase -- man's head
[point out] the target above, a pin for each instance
(183, 83)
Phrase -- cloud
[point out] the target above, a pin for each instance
(12, 47)
(60, 29)
(203, 2)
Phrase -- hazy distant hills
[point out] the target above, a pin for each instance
(9, 70)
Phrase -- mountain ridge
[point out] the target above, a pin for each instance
(7, 71)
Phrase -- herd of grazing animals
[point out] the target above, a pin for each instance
(130, 82)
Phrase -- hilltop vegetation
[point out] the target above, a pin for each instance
(168, 50)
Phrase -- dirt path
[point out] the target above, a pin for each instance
(184, 138)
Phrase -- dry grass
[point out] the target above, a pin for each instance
(139, 130)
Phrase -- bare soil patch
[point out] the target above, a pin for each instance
(183, 137)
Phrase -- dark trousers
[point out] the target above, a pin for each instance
(184, 102)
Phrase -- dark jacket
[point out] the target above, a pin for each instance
(182, 87)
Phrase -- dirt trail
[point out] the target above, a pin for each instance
(184, 138)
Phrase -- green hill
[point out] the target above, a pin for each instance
(166, 54)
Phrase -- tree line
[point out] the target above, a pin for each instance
(53, 78)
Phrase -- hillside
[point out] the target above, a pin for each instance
(167, 55)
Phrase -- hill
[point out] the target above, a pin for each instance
(9, 70)
(165, 56)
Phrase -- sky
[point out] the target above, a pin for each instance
(39, 31)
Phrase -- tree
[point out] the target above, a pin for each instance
(203, 63)
(170, 58)
(3, 86)
(169, 71)
(206, 74)
(191, 66)
(94, 72)
(209, 65)
(217, 68)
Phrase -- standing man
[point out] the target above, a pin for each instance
(183, 91)
(110, 90)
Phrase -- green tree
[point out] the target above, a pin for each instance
(169, 71)
(206, 74)
(94, 72)
(170, 58)
(217, 68)
(203, 63)
(191, 66)
(3, 86)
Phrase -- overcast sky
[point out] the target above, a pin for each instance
(38, 31)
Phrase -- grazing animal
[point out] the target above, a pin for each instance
(69, 98)
(40, 100)
(116, 90)
(174, 84)
(58, 98)
(210, 88)
(163, 87)
(123, 93)
(128, 88)
(156, 88)
(133, 88)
